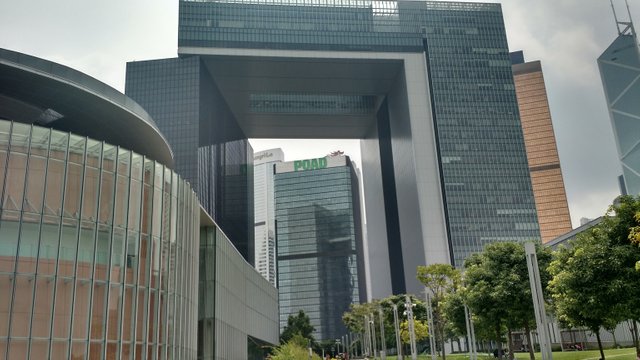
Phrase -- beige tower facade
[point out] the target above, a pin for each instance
(542, 152)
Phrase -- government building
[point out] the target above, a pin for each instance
(426, 86)
(105, 251)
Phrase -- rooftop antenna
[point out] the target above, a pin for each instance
(624, 27)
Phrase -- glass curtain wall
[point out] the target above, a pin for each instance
(98, 251)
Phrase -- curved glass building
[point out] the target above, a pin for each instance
(100, 239)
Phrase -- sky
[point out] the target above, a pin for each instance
(567, 36)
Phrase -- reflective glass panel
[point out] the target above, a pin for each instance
(106, 198)
(39, 349)
(21, 318)
(40, 141)
(18, 349)
(122, 197)
(76, 149)
(98, 309)
(90, 194)
(94, 153)
(58, 147)
(53, 192)
(42, 307)
(78, 349)
(81, 309)
(86, 250)
(73, 190)
(113, 312)
(35, 184)
(68, 247)
(6, 285)
(59, 350)
(62, 308)
(20, 135)
(8, 244)
(49, 242)
(14, 182)
(28, 248)
(5, 129)
(103, 250)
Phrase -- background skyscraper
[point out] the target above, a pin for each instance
(265, 224)
(619, 68)
(319, 242)
(542, 151)
(426, 86)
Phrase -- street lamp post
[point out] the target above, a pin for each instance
(373, 336)
(412, 335)
(397, 327)
(383, 345)
(432, 333)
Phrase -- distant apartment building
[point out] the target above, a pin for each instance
(319, 242)
(264, 214)
(542, 152)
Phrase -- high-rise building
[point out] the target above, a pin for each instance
(427, 87)
(619, 68)
(542, 151)
(319, 242)
(263, 204)
(211, 151)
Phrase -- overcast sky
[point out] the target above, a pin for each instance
(99, 37)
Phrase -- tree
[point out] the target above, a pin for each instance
(587, 282)
(440, 280)
(497, 288)
(354, 318)
(621, 224)
(421, 331)
(296, 348)
(297, 324)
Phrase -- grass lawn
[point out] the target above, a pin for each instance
(617, 354)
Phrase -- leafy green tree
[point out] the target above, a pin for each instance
(296, 348)
(621, 225)
(297, 324)
(421, 330)
(440, 280)
(587, 283)
(354, 318)
(497, 288)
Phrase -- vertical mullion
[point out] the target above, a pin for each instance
(134, 305)
(110, 262)
(123, 276)
(36, 274)
(55, 275)
(78, 233)
(95, 248)
(17, 253)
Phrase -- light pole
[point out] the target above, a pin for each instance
(383, 345)
(397, 327)
(432, 333)
(373, 336)
(412, 335)
(538, 301)
(471, 335)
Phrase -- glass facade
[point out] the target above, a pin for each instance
(619, 67)
(317, 237)
(97, 251)
(483, 162)
(210, 150)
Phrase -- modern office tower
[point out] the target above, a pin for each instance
(211, 151)
(263, 204)
(619, 68)
(426, 86)
(100, 238)
(542, 152)
(319, 242)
